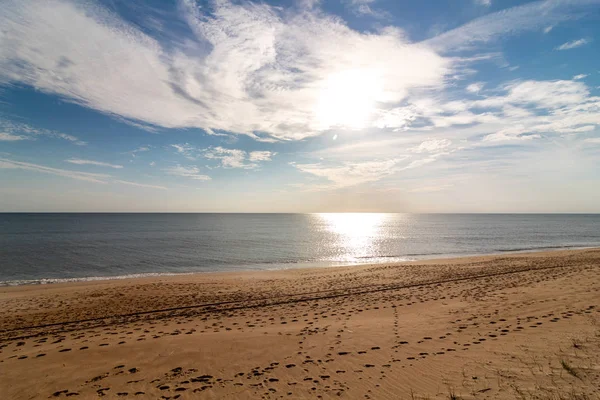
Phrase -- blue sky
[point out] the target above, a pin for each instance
(300, 106)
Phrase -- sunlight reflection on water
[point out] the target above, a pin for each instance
(357, 235)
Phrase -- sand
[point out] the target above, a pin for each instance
(520, 326)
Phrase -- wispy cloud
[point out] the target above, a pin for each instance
(141, 149)
(247, 69)
(9, 137)
(191, 172)
(485, 3)
(187, 150)
(364, 7)
(528, 17)
(350, 173)
(12, 131)
(235, 158)
(261, 155)
(144, 185)
(475, 87)
(82, 176)
(80, 161)
(573, 44)
(432, 145)
(77, 175)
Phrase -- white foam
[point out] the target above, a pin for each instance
(47, 281)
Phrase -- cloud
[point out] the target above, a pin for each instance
(82, 176)
(363, 7)
(475, 87)
(77, 175)
(79, 161)
(528, 17)
(19, 131)
(523, 110)
(247, 68)
(432, 145)
(144, 185)
(351, 173)
(234, 158)
(485, 3)
(261, 155)
(541, 94)
(187, 172)
(593, 140)
(141, 149)
(528, 114)
(573, 44)
(548, 29)
(510, 135)
(186, 150)
(580, 76)
(8, 137)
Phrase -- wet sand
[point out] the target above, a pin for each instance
(520, 326)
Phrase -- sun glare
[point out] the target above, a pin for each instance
(357, 233)
(347, 99)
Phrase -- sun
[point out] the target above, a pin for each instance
(347, 99)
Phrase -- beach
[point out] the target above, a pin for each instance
(523, 325)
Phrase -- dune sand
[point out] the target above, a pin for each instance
(520, 326)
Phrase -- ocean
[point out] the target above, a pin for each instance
(47, 248)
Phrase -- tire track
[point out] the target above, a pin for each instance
(228, 306)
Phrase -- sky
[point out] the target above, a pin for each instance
(300, 106)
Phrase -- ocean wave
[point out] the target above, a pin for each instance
(533, 248)
(47, 281)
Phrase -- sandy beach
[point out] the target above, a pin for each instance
(523, 326)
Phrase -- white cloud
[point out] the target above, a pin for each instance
(351, 173)
(141, 149)
(573, 44)
(8, 137)
(187, 172)
(20, 131)
(185, 149)
(548, 29)
(363, 7)
(475, 87)
(79, 161)
(229, 158)
(234, 158)
(82, 176)
(433, 145)
(524, 113)
(509, 135)
(77, 175)
(593, 140)
(580, 76)
(528, 17)
(261, 155)
(541, 94)
(144, 185)
(248, 69)
(485, 3)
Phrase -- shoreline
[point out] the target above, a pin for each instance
(157, 275)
